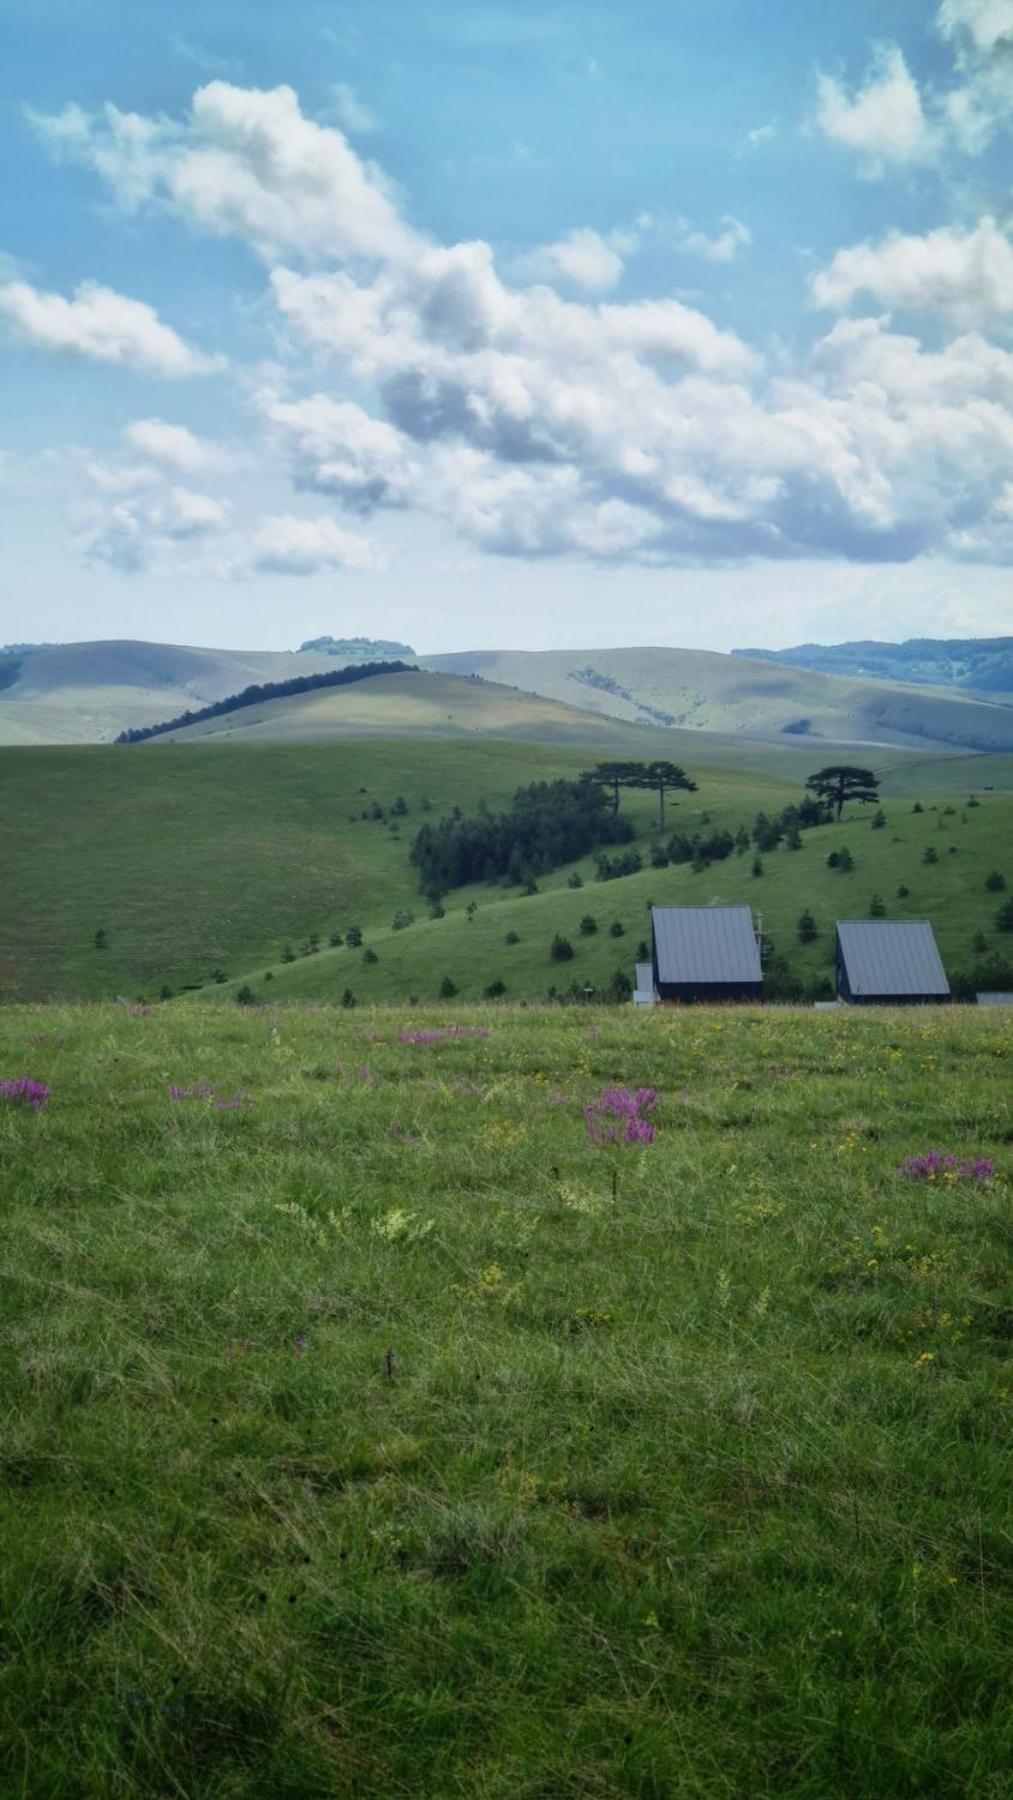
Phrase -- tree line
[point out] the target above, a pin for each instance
(549, 823)
(267, 690)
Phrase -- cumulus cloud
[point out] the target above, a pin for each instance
(175, 447)
(583, 258)
(981, 32)
(102, 326)
(891, 123)
(290, 545)
(537, 424)
(130, 533)
(336, 448)
(884, 120)
(723, 247)
(246, 163)
(964, 276)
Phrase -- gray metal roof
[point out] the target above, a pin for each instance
(993, 999)
(891, 956)
(700, 944)
(644, 982)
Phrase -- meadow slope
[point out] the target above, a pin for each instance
(196, 858)
(373, 1431)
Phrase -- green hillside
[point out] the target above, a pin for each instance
(983, 665)
(473, 951)
(203, 856)
(422, 705)
(90, 692)
(704, 691)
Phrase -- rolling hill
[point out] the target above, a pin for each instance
(89, 692)
(421, 704)
(702, 690)
(980, 665)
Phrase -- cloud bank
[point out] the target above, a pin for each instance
(537, 424)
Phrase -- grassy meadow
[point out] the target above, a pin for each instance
(195, 858)
(371, 1430)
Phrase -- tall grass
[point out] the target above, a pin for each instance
(370, 1430)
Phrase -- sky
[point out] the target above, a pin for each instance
(506, 323)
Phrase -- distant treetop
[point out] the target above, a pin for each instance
(357, 649)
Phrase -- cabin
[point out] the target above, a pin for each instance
(889, 962)
(701, 953)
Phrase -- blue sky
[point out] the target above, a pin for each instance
(507, 324)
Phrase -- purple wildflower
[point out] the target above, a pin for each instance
(421, 1034)
(638, 1131)
(25, 1092)
(206, 1090)
(619, 1103)
(940, 1162)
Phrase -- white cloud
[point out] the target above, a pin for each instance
(890, 121)
(101, 326)
(336, 448)
(884, 121)
(175, 447)
(981, 32)
(352, 113)
(539, 425)
(290, 545)
(127, 151)
(723, 247)
(761, 134)
(185, 514)
(583, 258)
(246, 163)
(988, 23)
(964, 276)
(131, 534)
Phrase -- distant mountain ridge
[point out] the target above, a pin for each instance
(91, 692)
(981, 665)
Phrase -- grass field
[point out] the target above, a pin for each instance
(196, 857)
(372, 1431)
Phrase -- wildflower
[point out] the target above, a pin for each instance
(931, 1163)
(423, 1035)
(25, 1092)
(206, 1090)
(619, 1103)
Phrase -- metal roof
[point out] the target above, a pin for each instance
(701, 944)
(891, 956)
(993, 999)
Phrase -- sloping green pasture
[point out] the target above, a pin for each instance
(377, 1433)
(197, 857)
